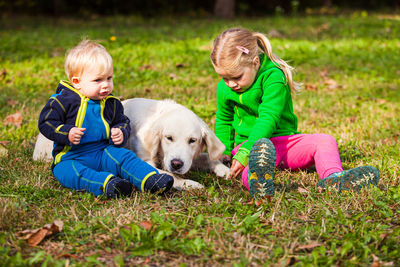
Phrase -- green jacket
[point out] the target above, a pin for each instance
(264, 110)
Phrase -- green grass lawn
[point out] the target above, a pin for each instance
(349, 66)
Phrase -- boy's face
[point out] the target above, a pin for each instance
(93, 84)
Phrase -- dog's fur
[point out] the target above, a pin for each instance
(166, 135)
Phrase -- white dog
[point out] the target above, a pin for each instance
(166, 135)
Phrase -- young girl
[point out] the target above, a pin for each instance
(255, 112)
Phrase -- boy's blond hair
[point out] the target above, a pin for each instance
(236, 48)
(87, 55)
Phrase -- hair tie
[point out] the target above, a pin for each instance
(243, 49)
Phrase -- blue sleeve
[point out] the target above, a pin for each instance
(51, 122)
(121, 121)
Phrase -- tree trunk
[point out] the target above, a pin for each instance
(327, 3)
(224, 9)
(58, 7)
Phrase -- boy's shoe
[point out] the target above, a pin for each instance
(353, 179)
(118, 187)
(158, 183)
(262, 160)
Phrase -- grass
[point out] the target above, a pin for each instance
(349, 66)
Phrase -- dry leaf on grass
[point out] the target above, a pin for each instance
(309, 246)
(302, 190)
(3, 151)
(332, 84)
(34, 237)
(146, 225)
(147, 67)
(311, 87)
(180, 65)
(14, 119)
(173, 76)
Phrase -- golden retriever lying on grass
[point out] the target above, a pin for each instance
(166, 135)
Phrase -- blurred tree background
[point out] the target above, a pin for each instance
(218, 8)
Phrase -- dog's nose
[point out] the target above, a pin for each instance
(176, 164)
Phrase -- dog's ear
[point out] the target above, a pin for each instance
(152, 141)
(215, 148)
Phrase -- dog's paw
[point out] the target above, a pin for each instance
(185, 184)
(222, 171)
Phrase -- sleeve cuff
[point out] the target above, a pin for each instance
(242, 156)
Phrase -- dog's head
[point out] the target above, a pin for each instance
(177, 137)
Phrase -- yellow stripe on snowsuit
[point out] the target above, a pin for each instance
(145, 179)
(79, 118)
(106, 181)
(106, 125)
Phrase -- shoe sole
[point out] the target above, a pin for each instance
(262, 159)
(353, 179)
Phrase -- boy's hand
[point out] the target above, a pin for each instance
(117, 136)
(75, 135)
(236, 168)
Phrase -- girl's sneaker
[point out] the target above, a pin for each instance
(262, 159)
(118, 187)
(353, 179)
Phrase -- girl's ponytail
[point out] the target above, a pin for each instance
(265, 45)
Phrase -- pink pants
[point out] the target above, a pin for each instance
(300, 151)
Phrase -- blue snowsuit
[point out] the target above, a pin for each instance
(90, 164)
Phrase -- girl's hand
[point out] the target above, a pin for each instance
(236, 168)
(75, 135)
(117, 136)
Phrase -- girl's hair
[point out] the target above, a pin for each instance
(236, 47)
(87, 55)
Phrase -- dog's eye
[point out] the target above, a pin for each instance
(192, 140)
(169, 138)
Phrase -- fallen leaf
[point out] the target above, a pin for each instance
(180, 65)
(3, 151)
(311, 245)
(67, 255)
(251, 202)
(258, 202)
(100, 201)
(34, 237)
(147, 67)
(311, 87)
(302, 190)
(14, 161)
(37, 237)
(146, 225)
(376, 262)
(14, 119)
(332, 84)
(173, 76)
(323, 73)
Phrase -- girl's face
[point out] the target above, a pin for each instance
(93, 84)
(241, 80)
